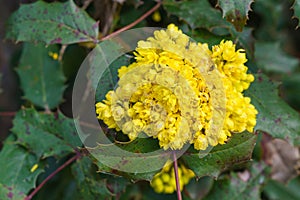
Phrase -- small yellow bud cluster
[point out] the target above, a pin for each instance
(53, 55)
(164, 181)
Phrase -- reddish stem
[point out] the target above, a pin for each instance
(133, 23)
(7, 114)
(52, 175)
(176, 177)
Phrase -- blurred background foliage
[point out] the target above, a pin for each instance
(270, 37)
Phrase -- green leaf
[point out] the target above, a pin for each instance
(275, 116)
(10, 193)
(296, 8)
(132, 11)
(204, 36)
(236, 11)
(52, 23)
(45, 134)
(245, 40)
(41, 76)
(88, 181)
(108, 155)
(238, 150)
(272, 21)
(271, 58)
(109, 79)
(290, 87)
(16, 164)
(197, 13)
(276, 190)
(234, 187)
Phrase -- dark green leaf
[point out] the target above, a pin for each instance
(238, 150)
(236, 11)
(271, 58)
(16, 164)
(113, 157)
(272, 20)
(291, 87)
(52, 23)
(245, 40)
(10, 193)
(235, 187)
(132, 11)
(276, 190)
(44, 134)
(197, 13)
(109, 79)
(87, 183)
(296, 7)
(41, 76)
(204, 36)
(61, 186)
(275, 116)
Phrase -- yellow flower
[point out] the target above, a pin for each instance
(175, 91)
(164, 181)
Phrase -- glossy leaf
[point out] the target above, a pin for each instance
(296, 8)
(15, 174)
(238, 150)
(236, 11)
(45, 134)
(275, 116)
(271, 58)
(41, 76)
(197, 13)
(241, 185)
(52, 23)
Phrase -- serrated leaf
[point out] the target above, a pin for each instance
(296, 8)
(197, 13)
(15, 173)
(10, 193)
(236, 11)
(113, 157)
(275, 116)
(88, 182)
(271, 58)
(238, 150)
(52, 23)
(234, 187)
(41, 76)
(45, 134)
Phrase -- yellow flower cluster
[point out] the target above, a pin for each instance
(164, 181)
(165, 94)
